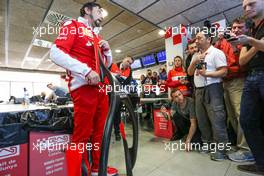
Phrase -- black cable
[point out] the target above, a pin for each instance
(116, 98)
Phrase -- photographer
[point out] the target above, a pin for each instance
(208, 67)
(147, 84)
(233, 87)
(162, 75)
(155, 78)
(252, 101)
(183, 115)
(148, 79)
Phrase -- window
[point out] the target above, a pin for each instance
(4, 90)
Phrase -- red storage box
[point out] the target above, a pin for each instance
(162, 127)
(14, 160)
(45, 161)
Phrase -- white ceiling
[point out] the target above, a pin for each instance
(131, 26)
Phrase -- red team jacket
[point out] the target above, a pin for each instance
(174, 76)
(122, 72)
(74, 51)
(232, 58)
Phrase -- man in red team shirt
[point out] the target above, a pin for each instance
(76, 50)
(124, 74)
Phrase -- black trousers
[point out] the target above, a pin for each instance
(117, 119)
(183, 126)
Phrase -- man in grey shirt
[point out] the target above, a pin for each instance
(184, 118)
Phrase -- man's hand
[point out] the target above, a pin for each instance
(202, 72)
(104, 45)
(188, 146)
(92, 78)
(199, 57)
(163, 109)
(183, 81)
(241, 39)
(165, 113)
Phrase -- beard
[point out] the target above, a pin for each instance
(97, 23)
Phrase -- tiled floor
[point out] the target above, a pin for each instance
(154, 160)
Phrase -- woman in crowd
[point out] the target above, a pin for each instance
(177, 77)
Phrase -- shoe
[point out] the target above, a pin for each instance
(118, 137)
(241, 156)
(218, 156)
(251, 168)
(204, 151)
(110, 172)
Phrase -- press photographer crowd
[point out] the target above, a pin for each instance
(205, 97)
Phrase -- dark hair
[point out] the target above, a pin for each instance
(131, 58)
(207, 34)
(90, 6)
(192, 41)
(239, 20)
(174, 90)
(49, 84)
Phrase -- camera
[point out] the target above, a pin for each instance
(200, 65)
(182, 78)
(227, 35)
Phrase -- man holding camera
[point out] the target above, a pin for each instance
(252, 101)
(233, 87)
(208, 67)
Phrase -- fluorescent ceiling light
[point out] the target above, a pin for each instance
(118, 51)
(42, 43)
(105, 13)
(48, 60)
(33, 59)
(162, 32)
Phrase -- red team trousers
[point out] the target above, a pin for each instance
(90, 113)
